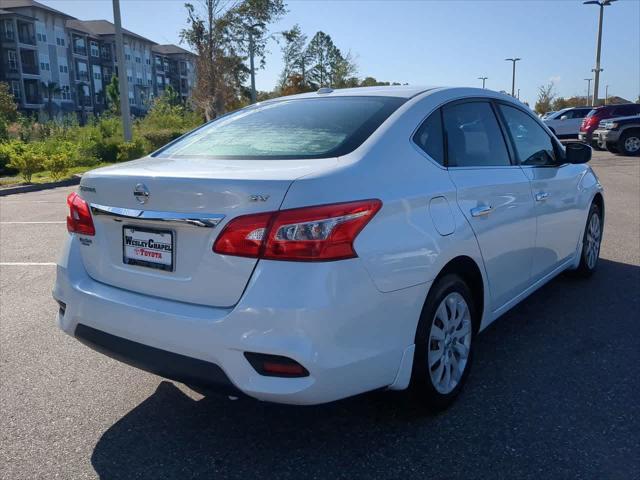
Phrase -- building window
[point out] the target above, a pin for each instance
(97, 76)
(160, 80)
(63, 68)
(138, 60)
(65, 92)
(147, 60)
(60, 41)
(105, 50)
(127, 57)
(42, 37)
(95, 51)
(79, 45)
(12, 60)
(15, 89)
(44, 63)
(149, 81)
(7, 30)
(82, 72)
(132, 98)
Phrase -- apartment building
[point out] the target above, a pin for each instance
(40, 46)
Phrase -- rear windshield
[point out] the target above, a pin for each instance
(299, 128)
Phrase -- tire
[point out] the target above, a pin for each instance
(629, 143)
(591, 239)
(612, 147)
(595, 146)
(453, 364)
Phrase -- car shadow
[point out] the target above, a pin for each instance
(534, 403)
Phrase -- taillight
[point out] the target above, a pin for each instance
(79, 219)
(319, 233)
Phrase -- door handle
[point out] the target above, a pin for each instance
(541, 196)
(481, 210)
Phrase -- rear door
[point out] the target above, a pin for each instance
(493, 194)
(555, 188)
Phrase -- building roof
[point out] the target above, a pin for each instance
(170, 49)
(101, 27)
(10, 4)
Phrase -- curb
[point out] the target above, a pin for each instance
(75, 180)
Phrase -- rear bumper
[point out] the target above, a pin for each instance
(328, 316)
(606, 136)
(191, 371)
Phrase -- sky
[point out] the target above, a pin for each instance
(437, 42)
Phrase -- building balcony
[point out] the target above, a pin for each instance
(27, 39)
(10, 67)
(33, 99)
(29, 69)
(7, 36)
(80, 51)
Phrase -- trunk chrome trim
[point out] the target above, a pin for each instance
(204, 220)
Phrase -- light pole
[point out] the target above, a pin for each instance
(250, 28)
(513, 78)
(122, 73)
(518, 94)
(606, 94)
(589, 91)
(484, 79)
(597, 70)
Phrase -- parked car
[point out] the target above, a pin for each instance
(314, 247)
(547, 114)
(619, 135)
(566, 123)
(591, 121)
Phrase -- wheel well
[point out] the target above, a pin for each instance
(598, 200)
(468, 269)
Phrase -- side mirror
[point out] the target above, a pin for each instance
(577, 152)
(564, 117)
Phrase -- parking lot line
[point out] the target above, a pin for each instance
(22, 264)
(26, 223)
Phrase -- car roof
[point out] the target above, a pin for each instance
(400, 91)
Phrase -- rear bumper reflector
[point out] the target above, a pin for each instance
(275, 365)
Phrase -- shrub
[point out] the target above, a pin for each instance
(131, 150)
(7, 150)
(58, 165)
(107, 150)
(86, 153)
(159, 138)
(28, 161)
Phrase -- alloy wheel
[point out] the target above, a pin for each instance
(632, 144)
(594, 234)
(449, 343)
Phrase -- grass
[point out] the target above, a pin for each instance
(45, 176)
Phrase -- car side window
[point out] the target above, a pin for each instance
(474, 138)
(429, 137)
(533, 145)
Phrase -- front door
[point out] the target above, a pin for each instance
(493, 194)
(554, 187)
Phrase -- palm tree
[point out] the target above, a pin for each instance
(51, 89)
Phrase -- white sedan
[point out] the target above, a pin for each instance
(310, 248)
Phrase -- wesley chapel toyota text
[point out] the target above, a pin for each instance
(314, 247)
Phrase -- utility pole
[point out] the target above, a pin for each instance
(589, 92)
(122, 73)
(252, 67)
(513, 77)
(597, 69)
(518, 94)
(484, 79)
(606, 94)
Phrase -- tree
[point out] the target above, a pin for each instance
(318, 52)
(545, 98)
(218, 33)
(293, 56)
(576, 101)
(51, 89)
(113, 94)
(8, 107)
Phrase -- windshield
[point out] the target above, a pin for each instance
(298, 128)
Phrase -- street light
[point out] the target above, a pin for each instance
(597, 70)
(484, 79)
(589, 90)
(122, 73)
(606, 94)
(513, 78)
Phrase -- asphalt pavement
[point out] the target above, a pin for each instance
(554, 392)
